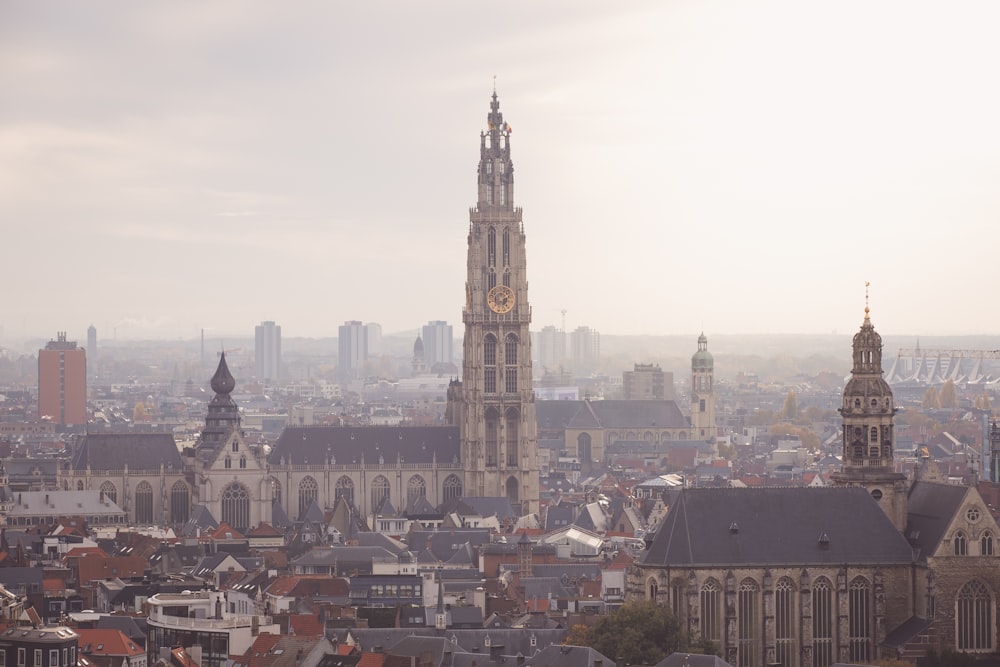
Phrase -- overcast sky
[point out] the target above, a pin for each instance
(733, 167)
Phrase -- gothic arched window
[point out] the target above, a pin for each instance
(822, 623)
(308, 491)
(144, 503)
(380, 491)
(415, 488)
(986, 544)
(452, 488)
(109, 491)
(506, 238)
(236, 506)
(180, 502)
(748, 623)
(710, 597)
(492, 436)
(859, 620)
(490, 363)
(513, 436)
(784, 622)
(491, 235)
(510, 350)
(512, 489)
(275, 490)
(974, 618)
(345, 489)
(961, 544)
(79, 485)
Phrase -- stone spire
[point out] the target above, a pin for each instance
(496, 171)
(223, 414)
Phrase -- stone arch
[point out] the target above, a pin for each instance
(79, 485)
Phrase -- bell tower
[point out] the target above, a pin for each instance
(868, 438)
(497, 418)
(702, 392)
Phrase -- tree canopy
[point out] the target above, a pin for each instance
(641, 632)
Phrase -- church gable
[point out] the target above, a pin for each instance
(235, 454)
(950, 520)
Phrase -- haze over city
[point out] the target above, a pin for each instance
(737, 168)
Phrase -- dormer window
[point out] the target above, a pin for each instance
(229, 462)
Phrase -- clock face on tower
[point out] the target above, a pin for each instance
(500, 299)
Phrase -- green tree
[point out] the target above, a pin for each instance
(790, 410)
(948, 397)
(641, 632)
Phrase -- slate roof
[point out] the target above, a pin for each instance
(931, 507)
(348, 444)
(764, 526)
(569, 656)
(430, 650)
(560, 415)
(139, 451)
(63, 504)
(555, 415)
(201, 521)
(692, 660)
(443, 544)
(484, 506)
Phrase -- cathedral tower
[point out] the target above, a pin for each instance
(497, 420)
(702, 393)
(868, 437)
(223, 414)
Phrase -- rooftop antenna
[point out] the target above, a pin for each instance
(563, 311)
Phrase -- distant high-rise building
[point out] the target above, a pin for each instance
(438, 339)
(352, 344)
(62, 381)
(92, 350)
(373, 334)
(551, 348)
(647, 382)
(586, 348)
(267, 351)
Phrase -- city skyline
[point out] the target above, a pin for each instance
(683, 167)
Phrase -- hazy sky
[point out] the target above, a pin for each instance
(732, 167)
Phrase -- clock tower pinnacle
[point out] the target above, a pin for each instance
(497, 415)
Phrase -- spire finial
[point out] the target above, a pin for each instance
(494, 84)
(867, 285)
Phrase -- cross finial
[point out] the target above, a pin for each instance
(867, 285)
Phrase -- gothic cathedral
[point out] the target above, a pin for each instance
(496, 404)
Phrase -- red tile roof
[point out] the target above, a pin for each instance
(107, 642)
(305, 625)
